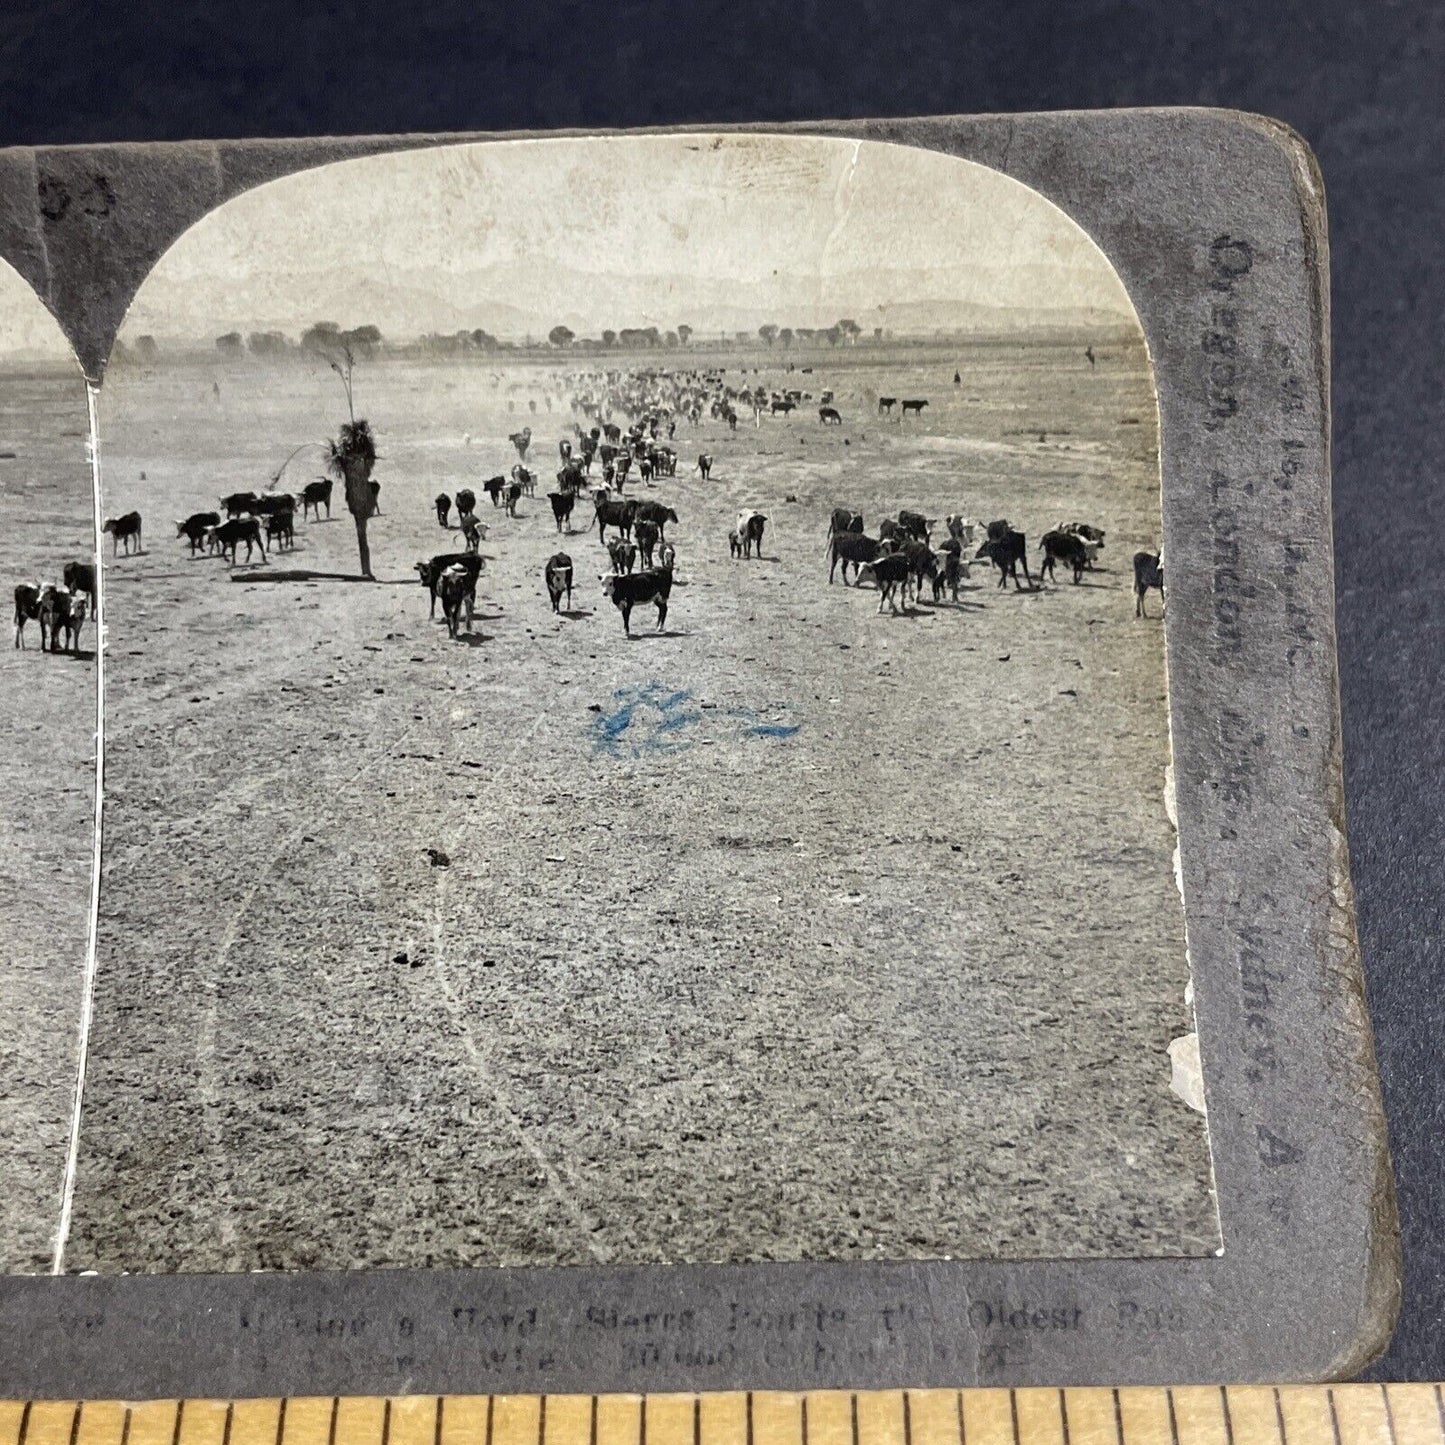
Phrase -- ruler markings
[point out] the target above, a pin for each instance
(1396, 1414)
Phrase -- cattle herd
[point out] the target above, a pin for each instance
(625, 425)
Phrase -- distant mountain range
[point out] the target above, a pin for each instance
(515, 302)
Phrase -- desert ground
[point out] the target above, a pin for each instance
(47, 805)
(791, 932)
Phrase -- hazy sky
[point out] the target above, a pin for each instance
(26, 326)
(608, 232)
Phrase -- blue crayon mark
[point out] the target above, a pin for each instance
(656, 719)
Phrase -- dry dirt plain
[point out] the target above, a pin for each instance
(47, 806)
(793, 932)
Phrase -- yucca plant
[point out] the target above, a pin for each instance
(351, 456)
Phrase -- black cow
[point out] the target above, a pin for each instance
(647, 536)
(123, 529)
(239, 502)
(1066, 548)
(921, 563)
(1148, 572)
(443, 504)
(511, 495)
(886, 405)
(614, 512)
(843, 520)
(949, 575)
(995, 531)
(750, 532)
(915, 524)
(527, 480)
(623, 554)
(558, 576)
(704, 465)
(562, 504)
(281, 528)
(657, 513)
(493, 488)
(314, 496)
(829, 416)
(431, 572)
(456, 587)
(890, 533)
(27, 609)
(273, 504)
(61, 611)
(627, 592)
(79, 577)
(852, 549)
(916, 407)
(375, 499)
(1006, 553)
(466, 501)
(230, 534)
(890, 573)
(195, 527)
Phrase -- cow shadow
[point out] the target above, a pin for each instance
(475, 639)
(576, 614)
(654, 635)
(247, 571)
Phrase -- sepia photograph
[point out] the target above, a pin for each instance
(636, 728)
(48, 700)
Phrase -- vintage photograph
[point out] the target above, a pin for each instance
(48, 699)
(636, 727)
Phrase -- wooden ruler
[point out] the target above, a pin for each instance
(1192, 1415)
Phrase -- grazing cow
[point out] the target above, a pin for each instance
(230, 534)
(281, 528)
(443, 504)
(525, 479)
(521, 440)
(843, 520)
(123, 529)
(195, 527)
(735, 544)
(1066, 548)
(623, 554)
(1148, 572)
(493, 488)
(829, 416)
(558, 576)
(457, 588)
(915, 406)
(511, 495)
(239, 502)
(851, 549)
(886, 405)
(915, 524)
(314, 496)
(562, 504)
(647, 536)
(890, 573)
(658, 513)
(627, 592)
(613, 512)
(704, 465)
(1006, 552)
(431, 572)
(750, 529)
(27, 609)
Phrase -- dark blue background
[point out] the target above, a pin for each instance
(1362, 81)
